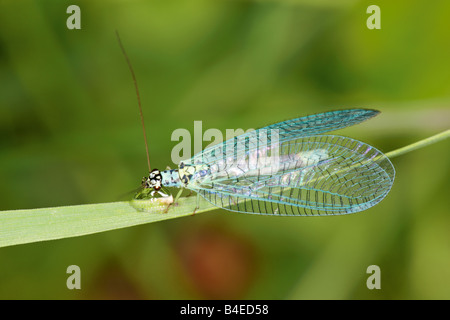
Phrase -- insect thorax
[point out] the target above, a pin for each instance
(170, 178)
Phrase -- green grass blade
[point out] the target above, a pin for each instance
(419, 144)
(32, 225)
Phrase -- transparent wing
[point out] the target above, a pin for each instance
(316, 175)
(322, 122)
(281, 132)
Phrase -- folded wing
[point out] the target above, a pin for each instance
(271, 136)
(314, 175)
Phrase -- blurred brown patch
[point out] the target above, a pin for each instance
(221, 264)
(112, 283)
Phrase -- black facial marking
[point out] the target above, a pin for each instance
(154, 180)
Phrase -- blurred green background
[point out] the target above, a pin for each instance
(71, 134)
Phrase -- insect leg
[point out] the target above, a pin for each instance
(198, 203)
(178, 195)
(174, 201)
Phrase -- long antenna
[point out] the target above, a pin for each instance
(138, 97)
